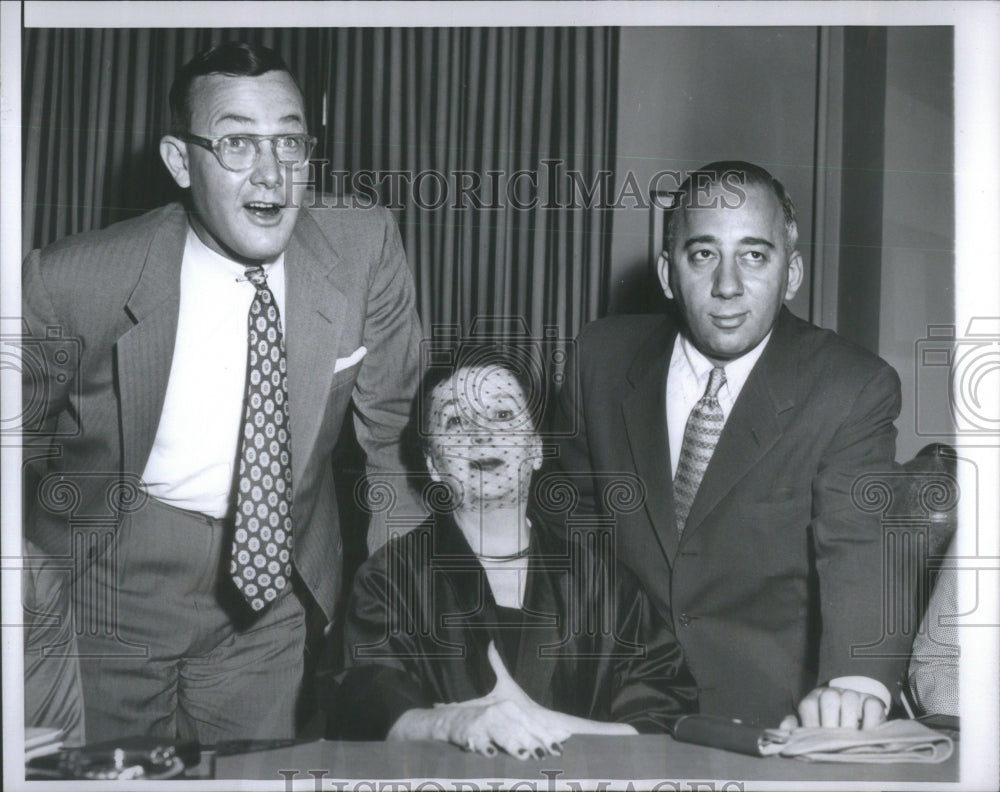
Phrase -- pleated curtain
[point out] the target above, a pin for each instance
(414, 101)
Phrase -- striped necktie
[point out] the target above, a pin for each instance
(701, 435)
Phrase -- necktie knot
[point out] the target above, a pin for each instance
(715, 382)
(257, 276)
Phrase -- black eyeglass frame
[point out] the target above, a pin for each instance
(213, 143)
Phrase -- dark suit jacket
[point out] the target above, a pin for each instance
(779, 575)
(422, 614)
(113, 295)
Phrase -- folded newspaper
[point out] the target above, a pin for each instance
(893, 741)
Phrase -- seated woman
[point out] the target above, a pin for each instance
(482, 629)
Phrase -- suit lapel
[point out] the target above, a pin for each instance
(313, 302)
(144, 353)
(754, 425)
(645, 413)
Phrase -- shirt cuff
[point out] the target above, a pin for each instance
(863, 684)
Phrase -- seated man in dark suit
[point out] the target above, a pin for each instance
(748, 428)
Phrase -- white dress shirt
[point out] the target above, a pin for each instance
(687, 380)
(194, 454)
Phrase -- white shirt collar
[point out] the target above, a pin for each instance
(687, 379)
(737, 370)
(216, 262)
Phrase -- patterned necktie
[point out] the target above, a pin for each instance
(261, 556)
(701, 435)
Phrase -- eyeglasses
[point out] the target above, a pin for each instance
(241, 152)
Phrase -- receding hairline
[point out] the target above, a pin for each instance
(718, 173)
(680, 220)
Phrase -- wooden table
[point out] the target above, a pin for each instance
(653, 759)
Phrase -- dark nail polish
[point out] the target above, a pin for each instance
(491, 751)
(522, 753)
(539, 753)
(556, 748)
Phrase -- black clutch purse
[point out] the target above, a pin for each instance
(715, 731)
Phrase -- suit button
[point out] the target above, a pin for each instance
(685, 620)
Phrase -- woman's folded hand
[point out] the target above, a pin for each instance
(505, 719)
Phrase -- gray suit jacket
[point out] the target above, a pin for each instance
(102, 312)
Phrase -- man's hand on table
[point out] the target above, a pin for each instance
(836, 707)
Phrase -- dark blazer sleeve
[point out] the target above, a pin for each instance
(654, 687)
(381, 643)
(848, 542)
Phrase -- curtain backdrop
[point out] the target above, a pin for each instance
(444, 108)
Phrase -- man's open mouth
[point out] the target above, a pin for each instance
(263, 209)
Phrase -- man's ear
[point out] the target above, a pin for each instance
(794, 275)
(663, 272)
(174, 153)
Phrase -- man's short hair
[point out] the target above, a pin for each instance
(735, 174)
(233, 58)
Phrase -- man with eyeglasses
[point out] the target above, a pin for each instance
(221, 346)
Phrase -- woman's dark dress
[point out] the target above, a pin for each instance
(587, 641)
